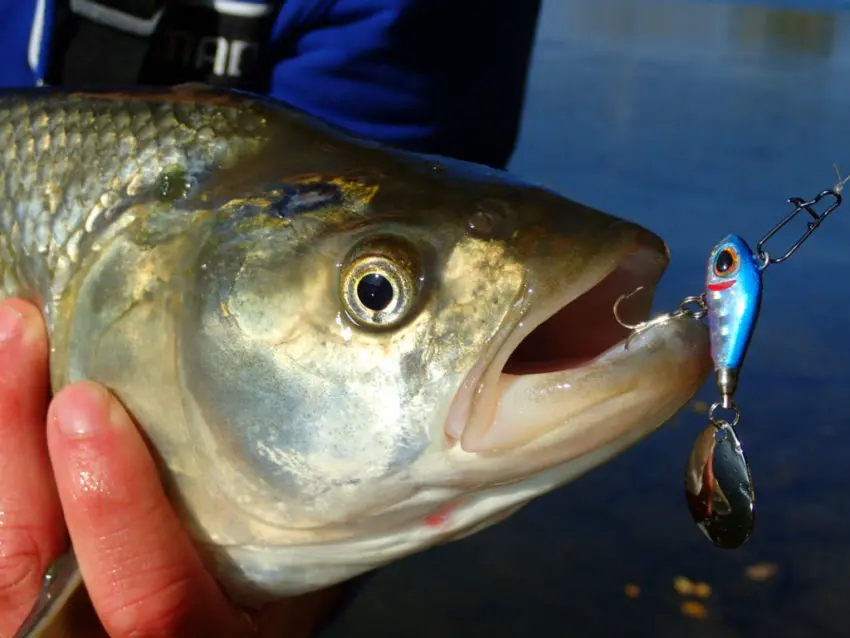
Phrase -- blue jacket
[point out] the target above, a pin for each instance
(436, 76)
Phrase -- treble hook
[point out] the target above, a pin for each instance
(643, 326)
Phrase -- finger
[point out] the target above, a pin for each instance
(140, 568)
(32, 532)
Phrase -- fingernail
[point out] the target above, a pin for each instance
(85, 410)
(11, 323)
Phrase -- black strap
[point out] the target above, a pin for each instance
(133, 16)
(102, 43)
(152, 42)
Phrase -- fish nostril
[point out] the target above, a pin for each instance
(481, 224)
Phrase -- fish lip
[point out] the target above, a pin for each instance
(481, 385)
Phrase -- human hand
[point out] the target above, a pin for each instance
(89, 475)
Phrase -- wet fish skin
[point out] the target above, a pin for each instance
(190, 250)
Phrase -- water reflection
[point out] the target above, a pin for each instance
(786, 31)
(695, 119)
(691, 28)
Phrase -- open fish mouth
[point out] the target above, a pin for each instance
(585, 328)
(567, 371)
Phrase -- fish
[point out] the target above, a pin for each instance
(339, 353)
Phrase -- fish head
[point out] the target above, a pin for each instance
(376, 363)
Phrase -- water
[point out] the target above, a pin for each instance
(695, 119)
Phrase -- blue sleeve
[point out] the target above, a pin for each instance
(435, 76)
(16, 21)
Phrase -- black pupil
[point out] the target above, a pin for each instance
(375, 291)
(725, 261)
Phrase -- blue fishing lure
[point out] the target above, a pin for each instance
(733, 286)
(718, 482)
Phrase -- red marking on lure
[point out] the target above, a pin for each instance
(440, 516)
(723, 285)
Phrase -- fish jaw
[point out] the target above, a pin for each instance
(571, 383)
(577, 419)
(567, 356)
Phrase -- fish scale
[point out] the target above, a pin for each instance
(69, 163)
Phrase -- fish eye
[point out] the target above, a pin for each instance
(375, 291)
(726, 262)
(380, 283)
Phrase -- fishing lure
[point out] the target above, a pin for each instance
(718, 482)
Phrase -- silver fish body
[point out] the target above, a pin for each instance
(340, 354)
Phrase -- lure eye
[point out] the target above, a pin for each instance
(380, 283)
(726, 262)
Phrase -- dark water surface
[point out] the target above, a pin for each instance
(695, 119)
